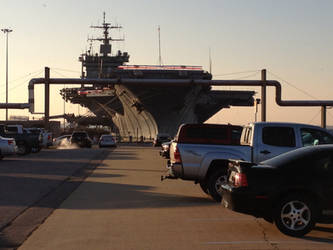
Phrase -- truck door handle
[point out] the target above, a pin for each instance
(265, 152)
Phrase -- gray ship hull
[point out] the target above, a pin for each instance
(147, 111)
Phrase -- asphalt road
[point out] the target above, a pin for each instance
(32, 186)
(124, 205)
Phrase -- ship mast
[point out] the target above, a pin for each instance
(105, 47)
(103, 65)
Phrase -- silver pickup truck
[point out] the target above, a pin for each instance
(206, 164)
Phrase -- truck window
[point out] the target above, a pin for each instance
(312, 137)
(236, 134)
(247, 136)
(209, 134)
(11, 129)
(279, 136)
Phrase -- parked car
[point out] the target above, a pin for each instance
(165, 150)
(206, 161)
(81, 139)
(7, 146)
(291, 189)
(26, 142)
(160, 138)
(106, 141)
(62, 141)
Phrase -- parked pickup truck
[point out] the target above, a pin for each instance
(46, 137)
(25, 142)
(207, 163)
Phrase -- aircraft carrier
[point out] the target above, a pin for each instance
(142, 111)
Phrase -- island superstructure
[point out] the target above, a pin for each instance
(144, 111)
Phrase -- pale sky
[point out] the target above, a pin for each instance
(291, 39)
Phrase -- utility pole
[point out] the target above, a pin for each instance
(159, 46)
(263, 96)
(323, 116)
(47, 98)
(65, 109)
(6, 31)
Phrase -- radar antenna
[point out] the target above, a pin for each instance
(105, 48)
(159, 46)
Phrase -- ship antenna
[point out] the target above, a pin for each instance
(105, 48)
(159, 46)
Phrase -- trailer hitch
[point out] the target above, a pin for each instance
(163, 177)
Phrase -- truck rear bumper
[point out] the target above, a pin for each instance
(175, 171)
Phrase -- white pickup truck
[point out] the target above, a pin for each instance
(206, 164)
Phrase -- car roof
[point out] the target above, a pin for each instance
(79, 132)
(297, 154)
(63, 136)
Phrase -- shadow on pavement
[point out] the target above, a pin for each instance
(123, 155)
(124, 196)
(318, 239)
(32, 186)
(324, 229)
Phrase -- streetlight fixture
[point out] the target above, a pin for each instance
(6, 31)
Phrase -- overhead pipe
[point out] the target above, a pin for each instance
(14, 105)
(70, 81)
(183, 83)
(239, 83)
(272, 83)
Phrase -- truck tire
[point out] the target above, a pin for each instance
(204, 187)
(22, 148)
(215, 179)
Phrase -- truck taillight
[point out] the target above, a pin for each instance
(176, 155)
(10, 142)
(240, 180)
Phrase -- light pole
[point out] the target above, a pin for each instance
(6, 31)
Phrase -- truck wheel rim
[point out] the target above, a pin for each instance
(222, 179)
(295, 215)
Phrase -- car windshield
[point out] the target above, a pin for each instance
(80, 134)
